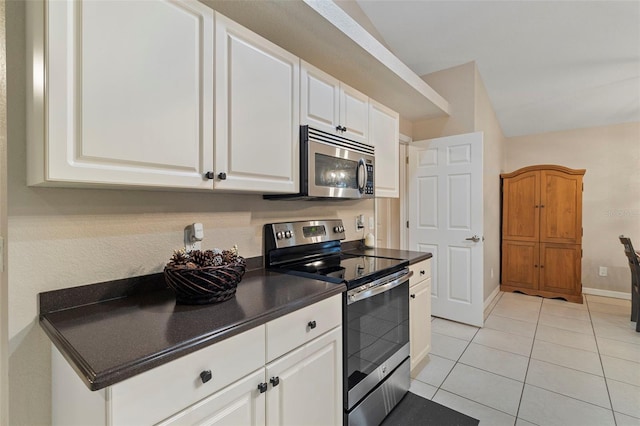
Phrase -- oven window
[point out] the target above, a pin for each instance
(336, 172)
(377, 328)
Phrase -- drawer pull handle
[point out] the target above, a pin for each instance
(413, 296)
(205, 376)
(275, 381)
(312, 324)
(422, 272)
(262, 387)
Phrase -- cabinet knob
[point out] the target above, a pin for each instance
(541, 205)
(413, 296)
(275, 381)
(312, 324)
(422, 272)
(205, 376)
(542, 266)
(262, 387)
(222, 176)
(210, 175)
(536, 206)
(535, 266)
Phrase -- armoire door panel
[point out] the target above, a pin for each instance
(520, 264)
(561, 206)
(560, 266)
(521, 212)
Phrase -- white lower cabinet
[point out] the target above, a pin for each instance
(308, 380)
(420, 312)
(300, 387)
(238, 404)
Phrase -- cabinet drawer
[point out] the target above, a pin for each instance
(292, 330)
(159, 393)
(421, 271)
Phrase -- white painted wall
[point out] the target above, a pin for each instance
(68, 237)
(611, 198)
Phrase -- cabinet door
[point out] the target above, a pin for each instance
(420, 320)
(354, 114)
(560, 207)
(384, 135)
(257, 112)
(319, 99)
(309, 391)
(560, 268)
(520, 264)
(238, 404)
(126, 102)
(520, 207)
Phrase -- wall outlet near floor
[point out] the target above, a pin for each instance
(359, 222)
(603, 271)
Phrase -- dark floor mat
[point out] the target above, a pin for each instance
(415, 410)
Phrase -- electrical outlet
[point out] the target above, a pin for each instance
(359, 222)
(372, 223)
(603, 271)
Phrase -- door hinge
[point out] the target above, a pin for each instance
(582, 186)
(407, 224)
(581, 253)
(406, 159)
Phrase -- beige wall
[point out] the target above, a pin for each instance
(4, 353)
(611, 202)
(457, 86)
(493, 164)
(69, 237)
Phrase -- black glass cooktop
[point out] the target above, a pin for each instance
(350, 269)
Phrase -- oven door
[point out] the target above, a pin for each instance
(377, 333)
(338, 172)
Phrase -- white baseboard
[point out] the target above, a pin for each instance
(492, 296)
(607, 293)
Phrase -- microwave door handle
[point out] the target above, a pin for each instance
(361, 175)
(372, 291)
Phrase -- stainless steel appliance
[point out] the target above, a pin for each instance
(333, 167)
(375, 311)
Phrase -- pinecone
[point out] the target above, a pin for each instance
(229, 256)
(179, 258)
(198, 257)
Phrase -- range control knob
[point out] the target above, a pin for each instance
(287, 234)
(336, 229)
(279, 235)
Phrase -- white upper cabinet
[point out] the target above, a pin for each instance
(332, 106)
(257, 112)
(121, 93)
(384, 135)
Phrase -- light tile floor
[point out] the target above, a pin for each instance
(538, 362)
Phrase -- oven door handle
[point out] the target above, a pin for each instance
(356, 296)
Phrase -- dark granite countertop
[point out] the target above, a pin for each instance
(112, 331)
(357, 247)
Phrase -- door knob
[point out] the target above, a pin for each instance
(475, 239)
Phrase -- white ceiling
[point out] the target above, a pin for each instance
(547, 65)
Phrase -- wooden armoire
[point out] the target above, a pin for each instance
(542, 231)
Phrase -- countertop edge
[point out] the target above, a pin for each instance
(96, 381)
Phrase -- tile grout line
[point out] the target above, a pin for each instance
(604, 374)
(454, 365)
(524, 382)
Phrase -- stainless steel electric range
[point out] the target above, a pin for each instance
(375, 311)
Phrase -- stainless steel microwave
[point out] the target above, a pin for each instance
(333, 167)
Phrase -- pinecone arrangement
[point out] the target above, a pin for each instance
(182, 259)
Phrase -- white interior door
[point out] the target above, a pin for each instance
(446, 218)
